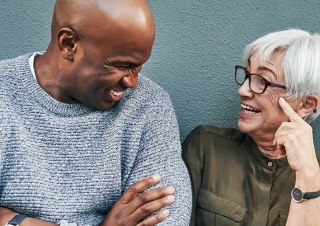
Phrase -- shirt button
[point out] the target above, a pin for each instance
(270, 164)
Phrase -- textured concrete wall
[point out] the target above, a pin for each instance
(197, 45)
(24, 26)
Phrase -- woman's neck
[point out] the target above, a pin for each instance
(268, 149)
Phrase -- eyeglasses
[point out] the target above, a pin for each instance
(257, 83)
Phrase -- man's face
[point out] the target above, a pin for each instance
(100, 81)
(103, 69)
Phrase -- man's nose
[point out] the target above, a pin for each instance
(131, 79)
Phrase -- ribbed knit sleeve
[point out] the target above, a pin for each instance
(160, 153)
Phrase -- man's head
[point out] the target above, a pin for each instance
(97, 50)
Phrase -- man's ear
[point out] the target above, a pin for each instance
(67, 41)
(308, 104)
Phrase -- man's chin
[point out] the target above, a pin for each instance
(106, 106)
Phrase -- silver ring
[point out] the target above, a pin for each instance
(286, 132)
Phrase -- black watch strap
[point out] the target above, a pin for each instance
(311, 195)
(16, 219)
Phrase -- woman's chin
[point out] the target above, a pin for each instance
(245, 127)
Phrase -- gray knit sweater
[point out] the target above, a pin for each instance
(72, 162)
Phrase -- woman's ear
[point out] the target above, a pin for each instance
(308, 105)
(67, 41)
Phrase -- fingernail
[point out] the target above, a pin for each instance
(165, 213)
(282, 100)
(171, 189)
(156, 177)
(171, 198)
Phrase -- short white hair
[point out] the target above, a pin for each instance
(300, 54)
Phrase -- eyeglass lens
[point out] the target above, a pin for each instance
(256, 83)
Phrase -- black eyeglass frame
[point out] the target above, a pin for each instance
(248, 75)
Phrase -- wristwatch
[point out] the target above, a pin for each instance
(298, 195)
(15, 221)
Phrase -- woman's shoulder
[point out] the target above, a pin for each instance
(214, 131)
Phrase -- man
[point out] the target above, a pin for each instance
(80, 129)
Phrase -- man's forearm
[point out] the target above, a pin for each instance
(7, 214)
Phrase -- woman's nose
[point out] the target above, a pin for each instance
(244, 89)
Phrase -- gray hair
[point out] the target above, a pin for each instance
(300, 61)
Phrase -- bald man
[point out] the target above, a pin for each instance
(85, 139)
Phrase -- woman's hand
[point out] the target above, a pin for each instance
(134, 205)
(295, 139)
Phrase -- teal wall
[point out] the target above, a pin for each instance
(197, 45)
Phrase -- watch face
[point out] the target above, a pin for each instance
(297, 195)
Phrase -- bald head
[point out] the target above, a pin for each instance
(96, 46)
(88, 18)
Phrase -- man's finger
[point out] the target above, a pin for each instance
(155, 219)
(293, 116)
(139, 187)
(154, 194)
(151, 207)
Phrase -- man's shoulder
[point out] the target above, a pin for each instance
(15, 59)
(149, 91)
(9, 65)
(147, 98)
(150, 86)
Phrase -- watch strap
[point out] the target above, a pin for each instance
(311, 195)
(16, 219)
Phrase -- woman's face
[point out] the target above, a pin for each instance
(260, 114)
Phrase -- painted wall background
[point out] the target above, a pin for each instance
(197, 45)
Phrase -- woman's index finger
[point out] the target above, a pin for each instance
(293, 116)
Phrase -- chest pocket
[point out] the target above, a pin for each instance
(216, 211)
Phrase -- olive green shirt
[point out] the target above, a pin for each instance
(233, 182)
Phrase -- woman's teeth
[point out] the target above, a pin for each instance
(249, 109)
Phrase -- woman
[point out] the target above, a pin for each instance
(245, 176)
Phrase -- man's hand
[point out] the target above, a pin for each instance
(134, 205)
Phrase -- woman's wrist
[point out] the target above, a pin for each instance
(308, 179)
